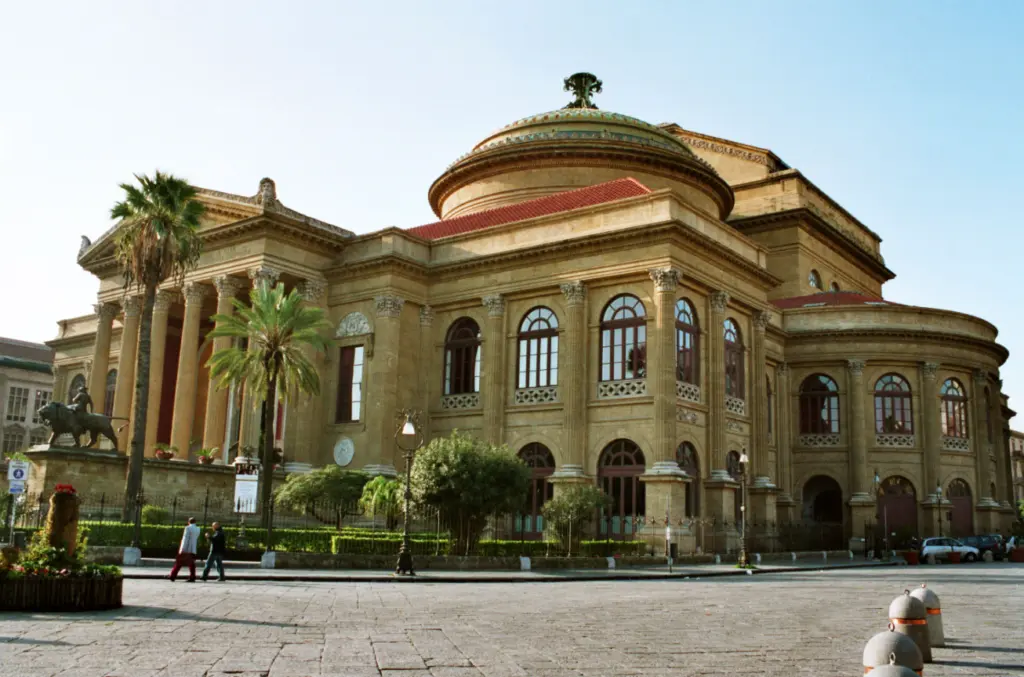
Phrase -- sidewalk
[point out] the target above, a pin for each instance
(244, 571)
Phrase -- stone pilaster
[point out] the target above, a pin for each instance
(157, 351)
(931, 427)
(215, 421)
(996, 446)
(573, 382)
(125, 387)
(426, 365)
(384, 369)
(982, 442)
(493, 375)
(188, 358)
(758, 400)
(718, 301)
(105, 314)
(661, 366)
(305, 412)
(858, 434)
(784, 502)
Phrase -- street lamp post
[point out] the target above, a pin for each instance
(743, 509)
(408, 438)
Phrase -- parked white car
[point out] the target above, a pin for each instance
(941, 547)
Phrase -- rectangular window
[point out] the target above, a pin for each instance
(350, 385)
(17, 404)
(42, 399)
(12, 440)
(38, 436)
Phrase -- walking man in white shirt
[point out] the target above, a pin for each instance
(187, 551)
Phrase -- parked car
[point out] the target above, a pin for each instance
(942, 547)
(987, 543)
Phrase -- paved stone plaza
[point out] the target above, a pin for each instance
(809, 623)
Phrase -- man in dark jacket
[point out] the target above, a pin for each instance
(217, 541)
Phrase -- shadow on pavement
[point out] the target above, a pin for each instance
(27, 640)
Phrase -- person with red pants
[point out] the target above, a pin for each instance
(187, 551)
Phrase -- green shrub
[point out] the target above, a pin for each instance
(154, 514)
(570, 513)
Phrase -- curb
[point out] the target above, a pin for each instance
(581, 578)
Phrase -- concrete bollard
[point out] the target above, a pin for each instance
(718, 559)
(524, 563)
(987, 556)
(936, 636)
(893, 670)
(757, 558)
(931, 559)
(910, 618)
(611, 562)
(891, 648)
(824, 556)
(793, 555)
(851, 554)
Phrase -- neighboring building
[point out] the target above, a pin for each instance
(26, 384)
(622, 303)
(1017, 464)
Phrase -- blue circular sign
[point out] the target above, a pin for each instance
(19, 474)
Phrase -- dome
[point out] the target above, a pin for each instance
(571, 148)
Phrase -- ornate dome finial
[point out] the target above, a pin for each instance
(583, 86)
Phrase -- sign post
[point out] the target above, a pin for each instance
(17, 477)
(247, 483)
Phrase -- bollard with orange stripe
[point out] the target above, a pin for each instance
(893, 670)
(888, 648)
(910, 617)
(931, 604)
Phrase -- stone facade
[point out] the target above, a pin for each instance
(26, 384)
(559, 325)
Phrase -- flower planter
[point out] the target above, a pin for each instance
(1017, 555)
(911, 556)
(205, 460)
(60, 594)
(954, 558)
(164, 455)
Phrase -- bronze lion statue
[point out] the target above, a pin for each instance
(64, 421)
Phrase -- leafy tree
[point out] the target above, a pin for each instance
(325, 491)
(467, 480)
(570, 513)
(277, 327)
(158, 240)
(383, 495)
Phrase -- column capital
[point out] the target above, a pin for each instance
(980, 377)
(228, 286)
(575, 293)
(426, 316)
(313, 291)
(194, 293)
(856, 367)
(262, 274)
(106, 311)
(131, 306)
(761, 320)
(929, 370)
(388, 305)
(782, 368)
(495, 304)
(164, 299)
(719, 301)
(665, 279)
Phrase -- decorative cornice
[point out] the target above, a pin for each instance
(762, 319)
(575, 293)
(704, 144)
(426, 316)
(313, 290)
(228, 286)
(856, 367)
(719, 301)
(930, 370)
(106, 311)
(194, 293)
(815, 337)
(388, 305)
(131, 306)
(665, 279)
(495, 304)
(264, 274)
(164, 299)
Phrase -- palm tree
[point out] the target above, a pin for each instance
(277, 328)
(158, 240)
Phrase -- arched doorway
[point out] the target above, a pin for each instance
(897, 510)
(823, 508)
(618, 475)
(686, 457)
(961, 517)
(542, 464)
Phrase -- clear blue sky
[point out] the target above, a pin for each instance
(907, 113)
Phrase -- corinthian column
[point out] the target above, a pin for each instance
(188, 358)
(858, 433)
(494, 369)
(126, 368)
(719, 301)
(217, 398)
(661, 365)
(982, 441)
(106, 312)
(784, 408)
(383, 382)
(572, 352)
(931, 428)
(426, 364)
(157, 351)
(305, 412)
(758, 395)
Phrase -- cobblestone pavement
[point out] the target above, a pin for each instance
(803, 623)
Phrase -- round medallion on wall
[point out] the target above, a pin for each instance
(344, 450)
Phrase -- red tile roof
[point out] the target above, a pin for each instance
(600, 193)
(831, 298)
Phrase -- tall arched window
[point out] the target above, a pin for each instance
(954, 408)
(770, 406)
(814, 279)
(542, 464)
(618, 474)
(687, 333)
(538, 349)
(108, 396)
(77, 382)
(893, 411)
(623, 339)
(819, 405)
(733, 359)
(462, 358)
(686, 457)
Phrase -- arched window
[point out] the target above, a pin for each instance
(954, 408)
(769, 404)
(814, 279)
(819, 405)
(77, 382)
(538, 349)
(462, 358)
(687, 333)
(893, 411)
(108, 396)
(623, 339)
(733, 359)
(618, 474)
(834, 286)
(686, 457)
(542, 464)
